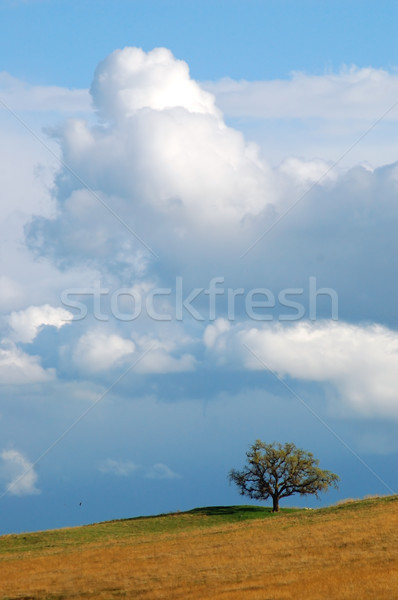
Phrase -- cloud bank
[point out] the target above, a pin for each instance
(353, 93)
(187, 186)
(192, 189)
(19, 96)
(361, 362)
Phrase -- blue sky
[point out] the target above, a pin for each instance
(198, 249)
(61, 42)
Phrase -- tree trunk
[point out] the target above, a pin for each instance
(275, 504)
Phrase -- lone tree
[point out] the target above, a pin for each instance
(278, 471)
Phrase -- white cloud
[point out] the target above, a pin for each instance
(353, 93)
(158, 361)
(121, 468)
(161, 471)
(17, 367)
(157, 355)
(18, 473)
(212, 332)
(361, 362)
(11, 292)
(199, 195)
(27, 323)
(166, 164)
(97, 351)
(124, 468)
(341, 116)
(27, 173)
(196, 191)
(129, 80)
(305, 172)
(20, 96)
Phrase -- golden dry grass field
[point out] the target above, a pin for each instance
(349, 551)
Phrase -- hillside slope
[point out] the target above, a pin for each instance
(348, 551)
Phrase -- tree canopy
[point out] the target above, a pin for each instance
(277, 471)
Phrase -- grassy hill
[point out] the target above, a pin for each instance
(348, 551)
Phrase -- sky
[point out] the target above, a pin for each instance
(198, 219)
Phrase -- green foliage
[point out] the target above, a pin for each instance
(278, 471)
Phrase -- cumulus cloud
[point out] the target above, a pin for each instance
(129, 80)
(199, 195)
(163, 159)
(17, 367)
(18, 474)
(360, 361)
(97, 351)
(26, 324)
(166, 163)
